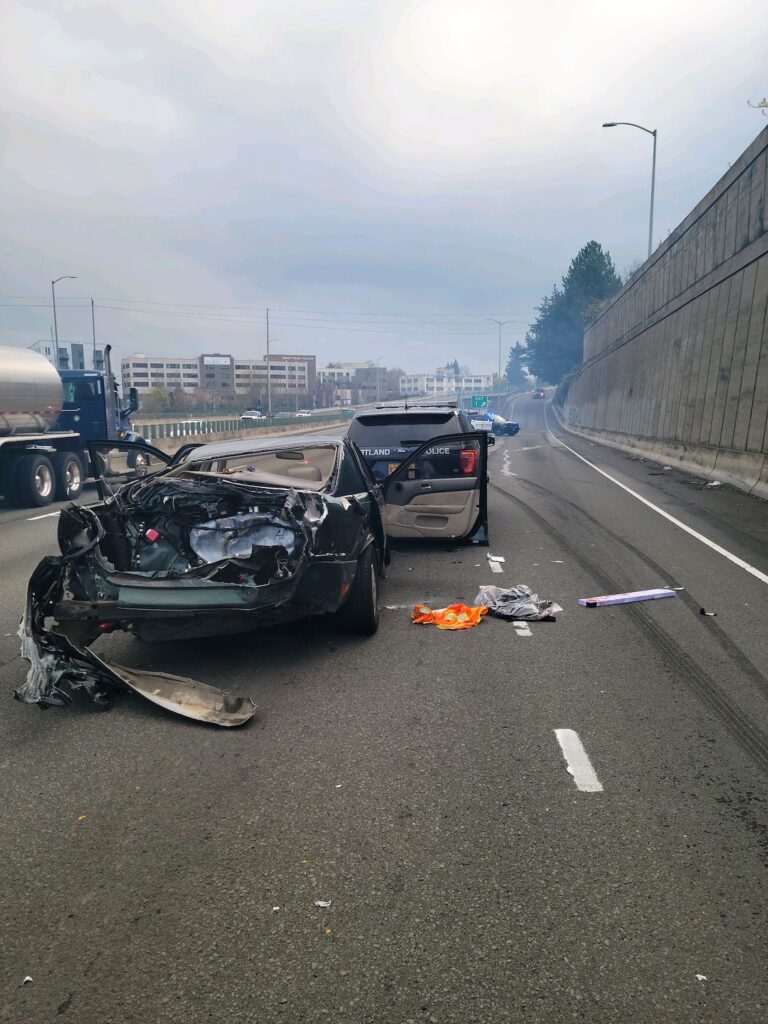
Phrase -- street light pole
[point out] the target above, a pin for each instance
(501, 323)
(654, 133)
(66, 277)
(93, 331)
(269, 379)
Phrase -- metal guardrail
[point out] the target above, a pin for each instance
(179, 429)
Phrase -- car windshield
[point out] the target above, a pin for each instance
(402, 428)
(308, 468)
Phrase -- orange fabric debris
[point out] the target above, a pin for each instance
(455, 616)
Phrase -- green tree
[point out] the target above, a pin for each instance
(393, 379)
(554, 341)
(515, 375)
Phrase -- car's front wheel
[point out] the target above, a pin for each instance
(360, 612)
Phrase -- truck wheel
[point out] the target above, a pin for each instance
(360, 612)
(35, 481)
(69, 476)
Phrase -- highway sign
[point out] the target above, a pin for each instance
(479, 401)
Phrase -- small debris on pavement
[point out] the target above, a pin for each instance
(338, 785)
(82, 817)
(322, 903)
(26, 981)
(455, 616)
(703, 611)
(275, 909)
(713, 483)
(666, 467)
(629, 598)
(517, 603)
(701, 977)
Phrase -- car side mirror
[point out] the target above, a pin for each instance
(491, 440)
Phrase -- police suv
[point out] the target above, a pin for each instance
(388, 435)
(432, 466)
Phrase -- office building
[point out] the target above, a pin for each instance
(444, 385)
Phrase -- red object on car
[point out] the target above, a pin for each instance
(468, 461)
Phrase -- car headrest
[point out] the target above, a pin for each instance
(304, 472)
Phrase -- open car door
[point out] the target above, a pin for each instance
(441, 490)
(115, 463)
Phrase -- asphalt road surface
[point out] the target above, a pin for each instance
(156, 870)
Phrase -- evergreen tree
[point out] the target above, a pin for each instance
(515, 375)
(554, 342)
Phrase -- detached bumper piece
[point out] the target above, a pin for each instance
(59, 665)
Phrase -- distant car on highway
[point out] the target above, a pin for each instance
(253, 414)
(505, 428)
(539, 393)
(284, 415)
(481, 421)
(304, 412)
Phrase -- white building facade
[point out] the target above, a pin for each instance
(445, 385)
(226, 374)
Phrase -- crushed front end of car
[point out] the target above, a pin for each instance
(174, 557)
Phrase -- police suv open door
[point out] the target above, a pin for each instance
(441, 490)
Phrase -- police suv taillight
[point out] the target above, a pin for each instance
(468, 461)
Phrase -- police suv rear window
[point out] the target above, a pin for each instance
(402, 428)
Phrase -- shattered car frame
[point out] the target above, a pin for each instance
(218, 539)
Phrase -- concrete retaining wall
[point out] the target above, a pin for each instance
(678, 362)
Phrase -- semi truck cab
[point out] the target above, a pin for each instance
(89, 409)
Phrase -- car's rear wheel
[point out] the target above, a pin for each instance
(360, 612)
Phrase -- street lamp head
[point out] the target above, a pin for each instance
(609, 124)
(66, 277)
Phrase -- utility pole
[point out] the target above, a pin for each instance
(269, 378)
(93, 332)
(501, 323)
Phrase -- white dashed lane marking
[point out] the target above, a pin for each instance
(522, 629)
(577, 761)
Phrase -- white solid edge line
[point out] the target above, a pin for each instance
(676, 522)
(45, 515)
(577, 761)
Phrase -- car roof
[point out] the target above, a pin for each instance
(258, 444)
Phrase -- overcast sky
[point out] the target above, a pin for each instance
(383, 175)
